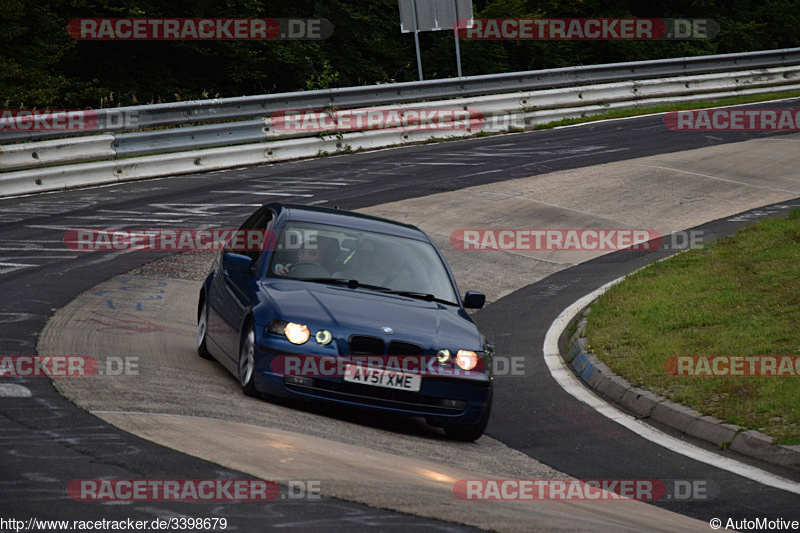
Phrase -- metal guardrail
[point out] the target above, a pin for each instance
(228, 109)
(160, 141)
(45, 165)
(40, 154)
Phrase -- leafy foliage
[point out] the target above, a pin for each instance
(41, 66)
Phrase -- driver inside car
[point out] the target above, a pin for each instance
(307, 254)
(379, 266)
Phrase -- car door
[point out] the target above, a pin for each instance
(234, 292)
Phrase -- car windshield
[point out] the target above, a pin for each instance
(357, 258)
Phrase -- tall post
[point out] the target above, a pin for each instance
(455, 34)
(416, 36)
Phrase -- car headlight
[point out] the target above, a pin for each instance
(295, 333)
(466, 359)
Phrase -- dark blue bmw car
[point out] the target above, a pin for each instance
(349, 309)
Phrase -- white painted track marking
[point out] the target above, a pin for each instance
(573, 385)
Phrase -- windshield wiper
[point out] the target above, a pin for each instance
(355, 284)
(420, 296)
(351, 283)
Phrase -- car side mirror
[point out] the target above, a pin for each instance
(236, 263)
(474, 300)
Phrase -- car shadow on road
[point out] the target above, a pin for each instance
(408, 425)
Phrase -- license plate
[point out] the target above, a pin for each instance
(379, 377)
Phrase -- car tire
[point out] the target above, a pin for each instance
(202, 331)
(473, 432)
(247, 362)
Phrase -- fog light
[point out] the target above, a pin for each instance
(466, 359)
(453, 404)
(299, 380)
(443, 356)
(323, 337)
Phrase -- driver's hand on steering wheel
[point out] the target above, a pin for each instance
(304, 255)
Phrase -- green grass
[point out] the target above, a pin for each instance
(739, 295)
(646, 110)
(637, 111)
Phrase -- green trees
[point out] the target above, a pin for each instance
(41, 66)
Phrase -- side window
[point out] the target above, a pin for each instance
(253, 234)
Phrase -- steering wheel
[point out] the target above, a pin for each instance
(307, 269)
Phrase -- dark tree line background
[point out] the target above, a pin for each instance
(41, 66)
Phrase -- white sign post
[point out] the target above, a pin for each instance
(434, 15)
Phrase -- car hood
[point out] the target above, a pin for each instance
(363, 312)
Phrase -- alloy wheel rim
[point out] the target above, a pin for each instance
(201, 328)
(246, 360)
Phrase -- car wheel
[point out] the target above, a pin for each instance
(247, 362)
(202, 330)
(470, 433)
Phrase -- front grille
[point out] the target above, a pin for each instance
(364, 345)
(404, 348)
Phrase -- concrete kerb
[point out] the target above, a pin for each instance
(646, 404)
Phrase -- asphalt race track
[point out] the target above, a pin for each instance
(624, 173)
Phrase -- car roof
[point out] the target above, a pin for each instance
(348, 219)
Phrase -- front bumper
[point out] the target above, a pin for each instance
(442, 399)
